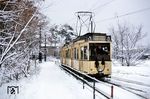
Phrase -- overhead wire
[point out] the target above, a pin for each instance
(50, 5)
(126, 14)
(103, 5)
(94, 5)
(94, 9)
(118, 16)
(91, 9)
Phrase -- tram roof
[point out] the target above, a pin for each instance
(88, 36)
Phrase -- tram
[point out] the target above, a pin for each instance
(89, 53)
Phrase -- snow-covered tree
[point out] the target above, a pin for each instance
(67, 32)
(61, 34)
(19, 30)
(126, 43)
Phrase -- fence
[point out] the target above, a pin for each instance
(82, 77)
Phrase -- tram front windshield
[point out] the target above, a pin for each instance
(99, 51)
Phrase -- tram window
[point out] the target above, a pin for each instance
(84, 55)
(85, 52)
(82, 48)
(99, 51)
(75, 53)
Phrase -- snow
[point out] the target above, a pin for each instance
(137, 77)
(140, 72)
(51, 83)
(54, 83)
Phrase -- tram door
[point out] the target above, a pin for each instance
(75, 58)
(80, 60)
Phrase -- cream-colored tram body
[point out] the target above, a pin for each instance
(89, 53)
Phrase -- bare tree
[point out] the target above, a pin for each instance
(125, 43)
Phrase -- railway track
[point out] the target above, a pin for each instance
(134, 87)
(131, 81)
(112, 81)
(88, 81)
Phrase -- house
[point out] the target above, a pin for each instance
(51, 50)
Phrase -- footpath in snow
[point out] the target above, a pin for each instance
(50, 83)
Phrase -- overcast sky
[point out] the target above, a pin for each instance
(63, 11)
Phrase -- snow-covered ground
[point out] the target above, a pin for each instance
(140, 72)
(54, 83)
(139, 75)
(50, 83)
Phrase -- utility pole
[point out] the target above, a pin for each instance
(45, 49)
(40, 54)
(91, 23)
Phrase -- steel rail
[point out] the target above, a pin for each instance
(126, 88)
(85, 81)
(107, 83)
(130, 81)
